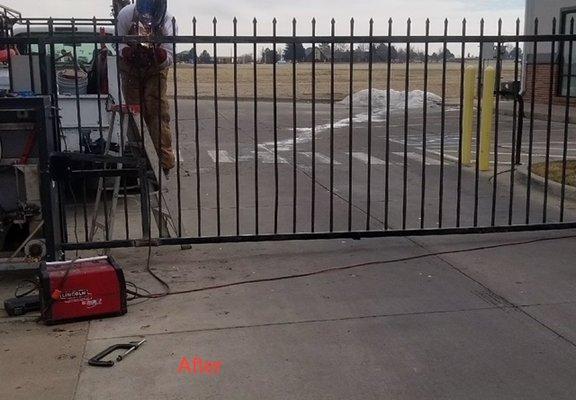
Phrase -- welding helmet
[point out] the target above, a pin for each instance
(151, 12)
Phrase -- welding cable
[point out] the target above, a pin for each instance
(71, 189)
(167, 290)
(345, 267)
(136, 290)
(51, 298)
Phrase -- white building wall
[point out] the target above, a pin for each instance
(545, 11)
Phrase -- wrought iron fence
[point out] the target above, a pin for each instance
(310, 147)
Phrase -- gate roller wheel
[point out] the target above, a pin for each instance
(35, 248)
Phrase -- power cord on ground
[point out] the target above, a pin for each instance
(168, 292)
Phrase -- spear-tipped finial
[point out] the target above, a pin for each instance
(214, 20)
(235, 20)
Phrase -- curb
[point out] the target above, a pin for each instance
(541, 116)
(554, 188)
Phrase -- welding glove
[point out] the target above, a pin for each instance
(160, 55)
(129, 55)
(144, 56)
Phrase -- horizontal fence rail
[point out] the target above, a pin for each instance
(296, 137)
(416, 39)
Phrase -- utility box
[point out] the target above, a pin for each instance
(489, 51)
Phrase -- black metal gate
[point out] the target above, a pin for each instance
(316, 137)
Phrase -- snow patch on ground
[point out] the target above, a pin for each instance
(360, 101)
(397, 100)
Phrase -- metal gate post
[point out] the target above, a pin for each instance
(520, 129)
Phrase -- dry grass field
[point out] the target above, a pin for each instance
(185, 77)
(556, 171)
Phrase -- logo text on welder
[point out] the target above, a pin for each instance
(74, 294)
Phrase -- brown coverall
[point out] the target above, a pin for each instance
(146, 86)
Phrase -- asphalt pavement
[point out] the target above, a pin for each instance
(414, 182)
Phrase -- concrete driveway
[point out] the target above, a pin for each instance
(492, 324)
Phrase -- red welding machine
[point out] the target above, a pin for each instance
(82, 289)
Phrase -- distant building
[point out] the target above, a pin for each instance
(225, 60)
(540, 65)
(321, 56)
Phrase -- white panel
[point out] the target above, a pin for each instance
(21, 73)
(88, 111)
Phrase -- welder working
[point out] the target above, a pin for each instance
(144, 68)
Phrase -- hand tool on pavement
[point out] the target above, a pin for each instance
(98, 359)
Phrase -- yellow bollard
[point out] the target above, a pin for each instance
(468, 114)
(487, 118)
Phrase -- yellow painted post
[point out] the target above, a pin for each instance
(468, 114)
(487, 118)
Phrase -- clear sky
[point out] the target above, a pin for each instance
(304, 10)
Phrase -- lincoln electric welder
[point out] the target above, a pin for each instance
(82, 289)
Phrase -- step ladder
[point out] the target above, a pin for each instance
(163, 201)
(110, 213)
